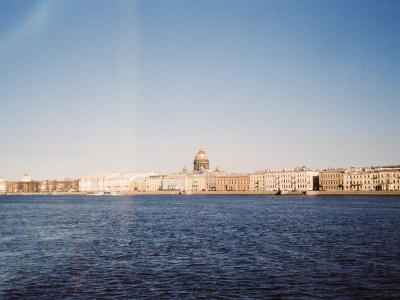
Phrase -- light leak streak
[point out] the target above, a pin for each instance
(32, 25)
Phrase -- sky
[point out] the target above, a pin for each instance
(92, 87)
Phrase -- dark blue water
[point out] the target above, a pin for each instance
(162, 247)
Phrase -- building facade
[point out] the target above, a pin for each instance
(358, 181)
(93, 183)
(386, 178)
(3, 185)
(233, 182)
(299, 179)
(258, 180)
(154, 183)
(372, 179)
(174, 183)
(331, 180)
(108, 182)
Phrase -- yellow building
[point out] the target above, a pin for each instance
(233, 182)
(331, 180)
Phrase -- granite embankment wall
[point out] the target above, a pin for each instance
(309, 193)
(228, 193)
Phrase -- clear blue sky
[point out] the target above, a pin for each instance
(116, 86)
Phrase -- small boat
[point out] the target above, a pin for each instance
(116, 193)
(100, 194)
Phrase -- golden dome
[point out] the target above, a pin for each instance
(201, 153)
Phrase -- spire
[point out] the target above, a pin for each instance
(26, 177)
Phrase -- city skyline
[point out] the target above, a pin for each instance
(137, 86)
(202, 155)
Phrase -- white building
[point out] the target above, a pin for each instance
(258, 180)
(358, 181)
(108, 182)
(154, 183)
(189, 182)
(196, 182)
(300, 179)
(386, 178)
(3, 185)
(174, 182)
(120, 181)
(371, 179)
(93, 183)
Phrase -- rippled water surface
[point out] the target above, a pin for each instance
(210, 247)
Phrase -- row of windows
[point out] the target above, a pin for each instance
(359, 176)
(329, 175)
(372, 175)
(233, 182)
(300, 186)
(330, 182)
(369, 187)
(289, 180)
(232, 188)
(374, 181)
(286, 175)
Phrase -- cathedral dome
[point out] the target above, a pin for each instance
(201, 153)
(201, 161)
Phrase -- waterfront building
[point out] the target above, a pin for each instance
(195, 182)
(93, 183)
(386, 178)
(190, 182)
(154, 183)
(211, 179)
(331, 179)
(138, 184)
(3, 185)
(373, 178)
(174, 182)
(201, 161)
(358, 180)
(108, 182)
(233, 182)
(299, 179)
(258, 180)
(120, 181)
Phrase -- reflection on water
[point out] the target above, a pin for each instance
(195, 246)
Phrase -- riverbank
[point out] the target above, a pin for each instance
(273, 193)
(229, 193)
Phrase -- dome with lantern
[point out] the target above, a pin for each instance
(201, 153)
(201, 161)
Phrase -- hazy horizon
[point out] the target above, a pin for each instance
(137, 86)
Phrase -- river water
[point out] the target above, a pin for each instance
(190, 247)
